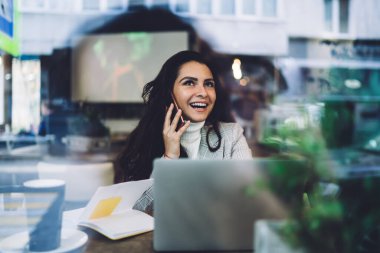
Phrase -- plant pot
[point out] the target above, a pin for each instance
(267, 238)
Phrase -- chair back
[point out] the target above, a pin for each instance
(82, 180)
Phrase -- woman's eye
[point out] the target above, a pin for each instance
(189, 82)
(210, 84)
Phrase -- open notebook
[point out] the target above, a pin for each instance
(110, 211)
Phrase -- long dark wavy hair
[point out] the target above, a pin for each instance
(145, 143)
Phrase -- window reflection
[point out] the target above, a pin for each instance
(249, 7)
(182, 6)
(336, 16)
(343, 16)
(269, 8)
(2, 93)
(115, 4)
(227, 7)
(91, 5)
(204, 6)
(328, 15)
(25, 96)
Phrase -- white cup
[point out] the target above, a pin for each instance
(44, 200)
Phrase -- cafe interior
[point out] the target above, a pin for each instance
(71, 82)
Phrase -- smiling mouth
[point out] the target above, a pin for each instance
(198, 105)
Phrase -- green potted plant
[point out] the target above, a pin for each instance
(316, 219)
(322, 222)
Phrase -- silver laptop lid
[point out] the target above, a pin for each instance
(212, 204)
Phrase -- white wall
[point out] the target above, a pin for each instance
(304, 18)
(40, 33)
(244, 37)
(365, 19)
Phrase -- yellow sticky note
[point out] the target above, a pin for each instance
(105, 207)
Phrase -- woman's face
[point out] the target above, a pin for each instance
(194, 91)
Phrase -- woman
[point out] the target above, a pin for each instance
(187, 80)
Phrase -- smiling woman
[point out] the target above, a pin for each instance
(194, 91)
(187, 81)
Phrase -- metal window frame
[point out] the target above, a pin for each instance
(335, 12)
(238, 13)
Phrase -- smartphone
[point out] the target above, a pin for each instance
(181, 121)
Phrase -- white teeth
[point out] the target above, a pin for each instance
(198, 105)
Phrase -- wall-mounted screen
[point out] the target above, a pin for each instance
(113, 68)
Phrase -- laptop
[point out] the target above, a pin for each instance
(212, 204)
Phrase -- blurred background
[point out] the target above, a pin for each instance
(65, 62)
(72, 72)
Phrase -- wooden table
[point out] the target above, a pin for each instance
(100, 244)
(142, 243)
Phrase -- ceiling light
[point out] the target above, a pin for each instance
(236, 70)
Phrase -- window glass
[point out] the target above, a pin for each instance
(328, 15)
(135, 4)
(91, 5)
(249, 7)
(182, 6)
(204, 7)
(269, 8)
(2, 92)
(25, 95)
(227, 7)
(114, 4)
(343, 16)
(59, 5)
(32, 4)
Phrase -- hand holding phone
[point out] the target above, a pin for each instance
(172, 135)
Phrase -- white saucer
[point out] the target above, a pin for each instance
(71, 239)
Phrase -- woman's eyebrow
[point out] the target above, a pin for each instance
(209, 79)
(189, 77)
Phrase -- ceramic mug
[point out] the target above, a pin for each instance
(44, 205)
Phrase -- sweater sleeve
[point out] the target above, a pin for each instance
(240, 148)
(145, 202)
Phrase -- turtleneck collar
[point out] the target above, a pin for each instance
(193, 131)
(191, 139)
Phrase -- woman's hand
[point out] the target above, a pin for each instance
(170, 135)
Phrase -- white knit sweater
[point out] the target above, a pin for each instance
(233, 146)
(191, 139)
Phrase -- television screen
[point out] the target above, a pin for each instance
(113, 68)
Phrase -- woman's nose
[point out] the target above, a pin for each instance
(201, 91)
